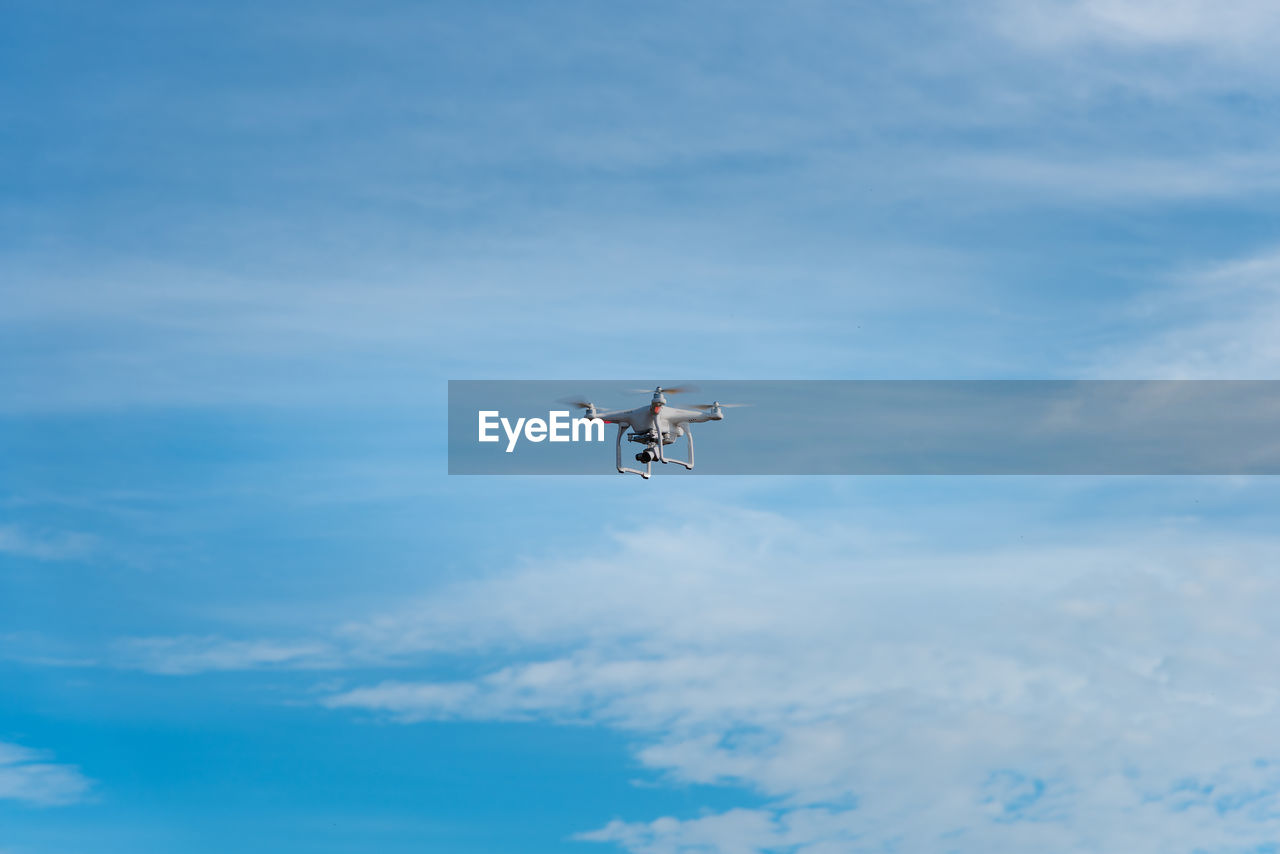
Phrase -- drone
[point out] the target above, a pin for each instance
(656, 425)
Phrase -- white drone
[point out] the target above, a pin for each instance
(656, 425)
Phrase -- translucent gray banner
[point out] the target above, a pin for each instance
(869, 427)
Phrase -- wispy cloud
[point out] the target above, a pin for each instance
(1229, 28)
(1137, 178)
(44, 545)
(1218, 322)
(30, 776)
(816, 156)
(185, 655)
(1114, 694)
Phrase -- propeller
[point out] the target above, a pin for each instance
(580, 403)
(718, 405)
(675, 389)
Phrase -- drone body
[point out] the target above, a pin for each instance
(656, 425)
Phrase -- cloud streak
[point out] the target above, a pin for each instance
(1233, 28)
(1115, 695)
(28, 776)
(46, 545)
(185, 655)
(1217, 322)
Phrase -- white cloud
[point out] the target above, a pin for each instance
(177, 656)
(43, 546)
(1232, 26)
(28, 776)
(1091, 176)
(1216, 323)
(1109, 695)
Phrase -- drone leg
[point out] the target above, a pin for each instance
(689, 438)
(661, 454)
(680, 462)
(688, 435)
(622, 428)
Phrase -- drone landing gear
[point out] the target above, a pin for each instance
(688, 434)
(648, 466)
(652, 452)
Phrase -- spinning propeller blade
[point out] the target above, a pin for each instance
(575, 401)
(721, 405)
(675, 389)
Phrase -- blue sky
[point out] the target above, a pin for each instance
(244, 246)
